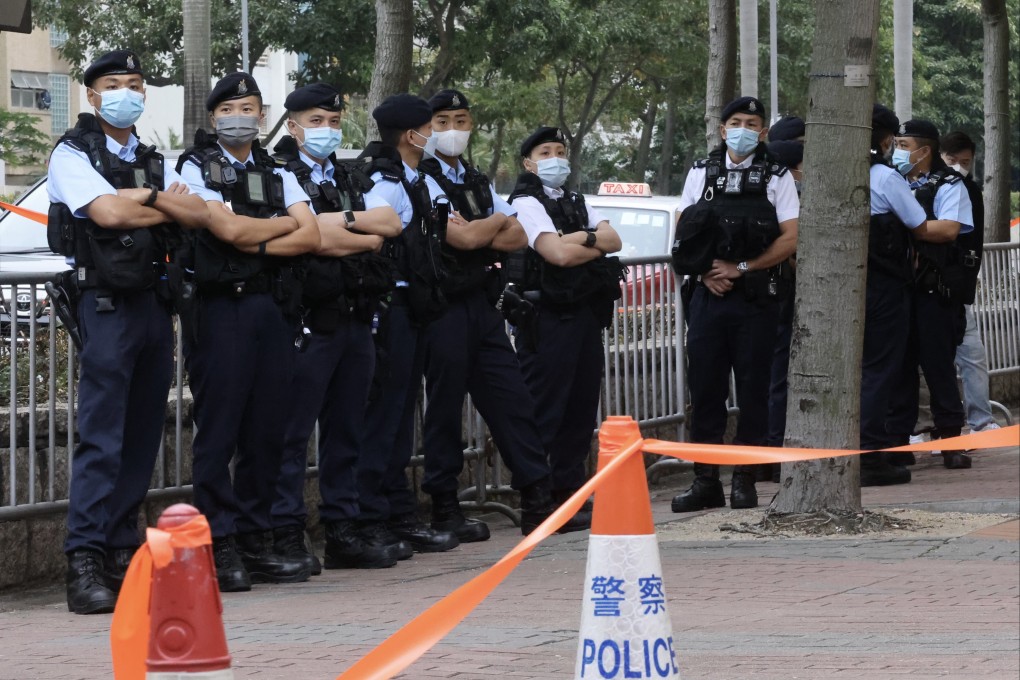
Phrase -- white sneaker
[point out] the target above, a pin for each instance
(920, 439)
(990, 426)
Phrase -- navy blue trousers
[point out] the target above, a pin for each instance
(388, 435)
(467, 351)
(564, 376)
(331, 381)
(779, 383)
(886, 327)
(241, 369)
(730, 334)
(125, 368)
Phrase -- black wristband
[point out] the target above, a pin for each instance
(151, 200)
(262, 248)
(590, 239)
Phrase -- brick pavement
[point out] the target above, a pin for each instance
(801, 608)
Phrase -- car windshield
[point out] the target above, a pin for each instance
(644, 231)
(19, 234)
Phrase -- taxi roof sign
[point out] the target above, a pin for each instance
(625, 189)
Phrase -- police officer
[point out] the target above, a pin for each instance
(114, 205)
(388, 507)
(240, 353)
(739, 222)
(568, 288)
(939, 283)
(341, 288)
(467, 348)
(787, 129)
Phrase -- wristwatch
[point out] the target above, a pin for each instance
(349, 217)
(742, 267)
(589, 240)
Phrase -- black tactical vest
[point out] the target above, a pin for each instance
(468, 269)
(940, 267)
(734, 219)
(889, 243)
(113, 259)
(596, 282)
(972, 244)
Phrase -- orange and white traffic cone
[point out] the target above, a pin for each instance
(625, 626)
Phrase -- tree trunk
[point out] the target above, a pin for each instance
(645, 143)
(444, 20)
(997, 121)
(824, 397)
(197, 66)
(749, 48)
(394, 33)
(497, 151)
(663, 179)
(722, 64)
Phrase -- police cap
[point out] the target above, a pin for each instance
(884, 119)
(314, 96)
(448, 100)
(402, 112)
(233, 86)
(541, 136)
(118, 62)
(787, 152)
(786, 129)
(743, 105)
(918, 128)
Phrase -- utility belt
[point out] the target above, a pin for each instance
(327, 318)
(769, 285)
(259, 284)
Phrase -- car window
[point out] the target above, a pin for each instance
(644, 231)
(20, 234)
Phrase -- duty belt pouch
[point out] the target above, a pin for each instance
(60, 229)
(123, 259)
(694, 245)
(761, 287)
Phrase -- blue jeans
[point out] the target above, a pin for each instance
(972, 363)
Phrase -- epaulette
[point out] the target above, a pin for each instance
(777, 169)
(700, 163)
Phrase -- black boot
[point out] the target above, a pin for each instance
(87, 591)
(447, 516)
(876, 471)
(536, 506)
(900, 458)
(706, 491)
(743, 495)
(582, 516)
(290, 543)
(377, 535)
(423, 539)
(266, 566)
(346, 550)
(116, 564)
(230, 572)
(955, 460)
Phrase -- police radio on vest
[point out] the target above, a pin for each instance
(625, 189)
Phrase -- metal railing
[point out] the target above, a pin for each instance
(997, 306)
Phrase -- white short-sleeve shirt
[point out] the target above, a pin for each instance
(536, 221)
(781, 190)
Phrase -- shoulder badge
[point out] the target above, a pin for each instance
(700, 163)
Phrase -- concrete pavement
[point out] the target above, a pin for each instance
(859, 607)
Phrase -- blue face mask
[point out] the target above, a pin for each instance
(320, 142)
(121, 108)
(741, 141)
(553, 171)
(901, 161)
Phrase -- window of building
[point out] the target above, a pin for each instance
(60, 102)
(58, 36)
(263, 60)
(29, 90)
(264, 123)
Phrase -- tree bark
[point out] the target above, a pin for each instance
(394, 33)
(997, 121)
(197, 66)
(497, 151)
(665, 175)
(722, 64)
(828, 325)
(645, 143)
(444, 20)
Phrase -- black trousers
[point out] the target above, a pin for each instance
(886, 330)
(727, 334)
(241, 369)
(467, 351)
(125, 368)
(779, 382)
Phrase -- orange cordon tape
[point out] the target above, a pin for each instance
(405, 646)
(129, 632)
(24, 212)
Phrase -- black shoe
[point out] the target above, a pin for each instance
(376, 534)
(290, 543)
(346, 550)
(583, 515)
(447, 516)
(956, 460)
(900, 458)
(116, 564)
(743, 495)
(777, 473)
(704, 493)
(264, 565)
(230, 572)
(536, 506)
(883, 474)
(423, 539)
(87, 591)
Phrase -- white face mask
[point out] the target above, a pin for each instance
(452, 142)
(960, 169)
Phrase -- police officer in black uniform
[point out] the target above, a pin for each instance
(739, 223)
(341, 286)
(563, 294)
(115, 208)
(241, 339)
(940, 278)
